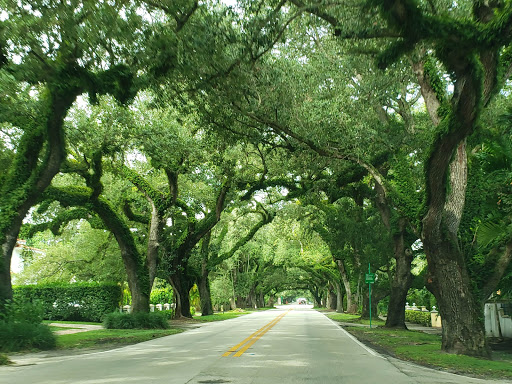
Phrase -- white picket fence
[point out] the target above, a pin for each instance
(152, 307)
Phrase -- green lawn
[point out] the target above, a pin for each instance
(220, 316)
(348, 318)
(425, 349)
(111, 337)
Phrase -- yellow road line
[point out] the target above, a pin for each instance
(253, 338)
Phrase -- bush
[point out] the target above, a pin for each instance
(168, 313)
(76, 302)
(4, 360)
(23, 312)
(418, 317)
(161, 295)
(21, 336)
(21, 328)
(139, 320)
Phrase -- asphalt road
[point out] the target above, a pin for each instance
(286, 345)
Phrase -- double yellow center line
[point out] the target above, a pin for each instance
(240, 348)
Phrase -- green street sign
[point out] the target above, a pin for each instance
(369, 278)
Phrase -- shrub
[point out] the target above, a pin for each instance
(161, 295)
(78, 301)
(418, 317)
(21, 336)
(21, 329)
(168, 313)
(139, 320)
(4, 360)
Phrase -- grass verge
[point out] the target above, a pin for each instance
(220, 316)
(106, 338)
(356, 319)
(425, 349)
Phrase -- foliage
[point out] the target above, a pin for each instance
(418, 317)
(4, 360)
(161, 295)
(421, 297)
(21, 328)
(139, 320)
(221, 290)
(17, 336)
(79, 253)
(78, 301)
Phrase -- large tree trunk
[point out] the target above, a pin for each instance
(317, 300)
(402, 277)
(331, 298)
(352, 306)
(205, 296)
(203, 281)
(30, 177)
(136, 268)
(402, 280)
(448, 278)
(463, 331)
(5, 265)
(181, 286)
(260, 300)
(339, 297)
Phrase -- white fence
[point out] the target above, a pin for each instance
(152, 307)
(498, 322)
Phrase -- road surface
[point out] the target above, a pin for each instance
(286, 345)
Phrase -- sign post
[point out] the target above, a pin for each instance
(370, 279)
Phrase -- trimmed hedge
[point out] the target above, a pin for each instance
(418, 317)
(72, 302)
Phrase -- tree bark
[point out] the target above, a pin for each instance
(181, 285)
(448, 278)
(203, 281)
(205, 295)
(339, 297)
(402, 279)
(331, 297)
(352, 306)
(31, 178)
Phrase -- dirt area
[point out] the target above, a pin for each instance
(501, 345)
(74, 328)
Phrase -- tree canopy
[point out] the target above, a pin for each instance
(266, 146)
